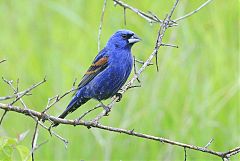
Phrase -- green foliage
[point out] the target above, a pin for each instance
(11, 150)
(194, 97)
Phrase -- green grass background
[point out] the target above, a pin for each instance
(194, 97)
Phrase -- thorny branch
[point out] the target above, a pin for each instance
(37, 116)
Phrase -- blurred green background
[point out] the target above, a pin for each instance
(194, 97)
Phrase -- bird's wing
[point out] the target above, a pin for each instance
(98, 65)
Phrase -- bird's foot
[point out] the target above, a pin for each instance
(106, 108)
(119, 95)
(76, 121)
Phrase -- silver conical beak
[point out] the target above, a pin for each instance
(133, 39)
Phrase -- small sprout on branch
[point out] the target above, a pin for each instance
(209, 143)
(169, 45)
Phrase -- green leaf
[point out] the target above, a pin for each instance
(3, 142)
(24, 152)
(6, 153)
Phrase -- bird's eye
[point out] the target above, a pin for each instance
(124, 36)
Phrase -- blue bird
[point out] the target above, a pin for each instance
(108, 72)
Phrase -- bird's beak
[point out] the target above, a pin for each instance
(133, 39)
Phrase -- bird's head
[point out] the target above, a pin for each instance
(123, 39)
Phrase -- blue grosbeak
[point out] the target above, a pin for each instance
(108, 72)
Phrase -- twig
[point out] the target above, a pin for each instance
(142, 62)
(57, 99)
(14, 95)
(135, 69)
(21, 94)
(36, 147)
(1, 61)
(232, 152)
(209, 143)
(87, 112)
(17, 86)
(170, 45)
(195, 11)
(101, 22)
(142, 14)
(3, 116)
(172, 10)
(124, 16)
(185, 154)
(16, 91)
(34, 140)
(65, 141)
(137, 86)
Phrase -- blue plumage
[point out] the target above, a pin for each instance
(108, 72)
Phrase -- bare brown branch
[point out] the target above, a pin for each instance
(118, 130)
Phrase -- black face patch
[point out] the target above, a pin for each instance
(126, 36)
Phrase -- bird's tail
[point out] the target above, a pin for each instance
(72, 106)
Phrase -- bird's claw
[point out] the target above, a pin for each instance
(119, 95)
(107, 110)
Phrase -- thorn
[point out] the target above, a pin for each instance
(131, 131)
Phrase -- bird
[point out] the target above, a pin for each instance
(108, 72)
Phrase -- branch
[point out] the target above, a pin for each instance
(101, 22)
(147, 17)
(34, 140)
(193, 12)
(3, 115)
(185, 154)
(18, 97)
(21, 94)
(118, 130)
(25, 92)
